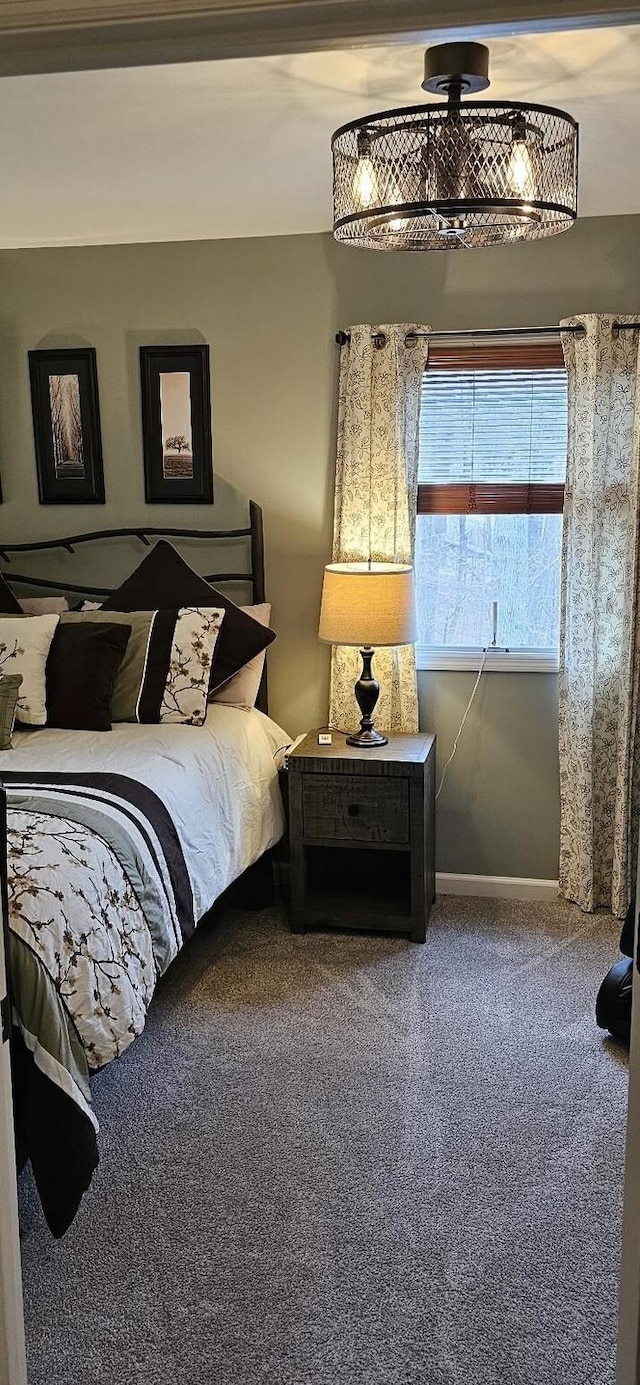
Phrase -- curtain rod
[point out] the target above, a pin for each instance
(342, 338)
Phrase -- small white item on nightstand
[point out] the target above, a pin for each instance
(325, 738)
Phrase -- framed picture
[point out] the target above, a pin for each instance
(176, 424)
(66, 426)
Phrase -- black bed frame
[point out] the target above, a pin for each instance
(252, 577)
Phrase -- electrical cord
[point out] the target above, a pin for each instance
(462, 723)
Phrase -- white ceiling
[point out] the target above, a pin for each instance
(241, 148)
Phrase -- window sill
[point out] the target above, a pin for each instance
(498, 660)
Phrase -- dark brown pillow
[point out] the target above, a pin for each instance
(81, 671)
(163, 579)
(9, 605)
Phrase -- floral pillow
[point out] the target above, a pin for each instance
(187, 685)
(24, 646)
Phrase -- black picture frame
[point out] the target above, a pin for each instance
(66, 426)
(175, 410)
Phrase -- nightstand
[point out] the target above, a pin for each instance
(362, 834)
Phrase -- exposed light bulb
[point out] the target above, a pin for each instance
(520, 171)
(365, 184)
(392, 198)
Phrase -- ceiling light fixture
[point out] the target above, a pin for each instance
(450, 175)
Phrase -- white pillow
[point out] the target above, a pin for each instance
(185, 692)
(242, 689)
(24, 646)
(43, 605)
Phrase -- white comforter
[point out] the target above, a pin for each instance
(105, 880)
(218, 781)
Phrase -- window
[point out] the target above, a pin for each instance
(493, 447)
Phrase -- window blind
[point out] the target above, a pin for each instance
(493, 430)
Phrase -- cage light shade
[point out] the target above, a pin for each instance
(368, 604)
(448, 177)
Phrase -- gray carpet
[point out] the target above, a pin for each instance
(347, 1160)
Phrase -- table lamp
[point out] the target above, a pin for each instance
(367, 605)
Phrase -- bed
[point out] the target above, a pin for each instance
(118, 845)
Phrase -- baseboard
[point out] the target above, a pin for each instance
(497, 886)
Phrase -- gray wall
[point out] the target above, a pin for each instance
(269, 309)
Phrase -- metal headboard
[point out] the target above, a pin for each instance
(253, 576)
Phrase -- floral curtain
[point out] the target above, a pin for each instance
(600, 650)
(375, 497)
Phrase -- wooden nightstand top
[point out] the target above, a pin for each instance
(399, 756)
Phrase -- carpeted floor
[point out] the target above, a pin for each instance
(349, 1160)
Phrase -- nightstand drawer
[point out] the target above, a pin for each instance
(355, 808)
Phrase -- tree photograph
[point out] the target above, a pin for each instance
(66, 425)
(175, 408)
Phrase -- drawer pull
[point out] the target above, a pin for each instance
(353, 810)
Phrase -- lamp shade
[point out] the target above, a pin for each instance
(368, 604)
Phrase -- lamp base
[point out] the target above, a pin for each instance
(366, 691)
(367, 738)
